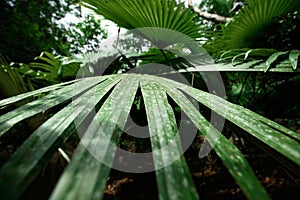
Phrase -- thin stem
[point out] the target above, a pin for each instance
(165, 56)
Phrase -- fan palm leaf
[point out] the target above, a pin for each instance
(11, 82)
(246, 28)
(164, 15)
(54, 68)
(86, 176)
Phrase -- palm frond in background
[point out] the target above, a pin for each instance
(164, 15)
(11, 82)
(54, 68)
(48, 69)
(258, 60)
(247, 28)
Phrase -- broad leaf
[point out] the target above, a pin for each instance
(156, 18)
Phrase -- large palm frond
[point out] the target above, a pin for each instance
(162, 14)
(85, 176)
(246, 28)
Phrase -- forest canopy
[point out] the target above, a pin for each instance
(28, 27)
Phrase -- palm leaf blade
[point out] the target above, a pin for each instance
(40, 146)
(20, 97)
(104, 131)
(293, 57)
(230, 155)
(174, 180)
(49, 101)
(250, 122)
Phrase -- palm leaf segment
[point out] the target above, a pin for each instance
(85, 177)
(161, 14)
(246, 28)
(259, 60)
(50, 68)
(255, 60)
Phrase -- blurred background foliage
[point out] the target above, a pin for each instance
(28, 27)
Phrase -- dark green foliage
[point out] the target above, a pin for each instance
(282, 33)
(28, 27)
(247, 28)
(221, 7)
(11, 82)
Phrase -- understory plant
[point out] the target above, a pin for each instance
(97, 105)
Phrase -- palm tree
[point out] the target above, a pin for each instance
(97, 107)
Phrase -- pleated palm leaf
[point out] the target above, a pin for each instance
(54, 69)
(246, 29)
(11, 82)
(85, 176)
(164, 15)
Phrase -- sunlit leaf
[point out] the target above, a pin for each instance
(273, 58)
(293, 57)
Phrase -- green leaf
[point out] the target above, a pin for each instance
(274, 135)
(14, 99)
(85, 176)
(173, 179)
(293, 57)
(29, 159)
(230, 155)
(104, 131)
(273, 58)
(149, 15)
(11, 82)
(251, 66)
(57, 97)
(248, 25)
(55, 68)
